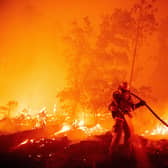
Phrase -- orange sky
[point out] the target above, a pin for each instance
(32, 66)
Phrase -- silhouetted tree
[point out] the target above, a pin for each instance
(98, 62)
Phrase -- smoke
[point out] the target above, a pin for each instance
(31, 55)
(162, 61)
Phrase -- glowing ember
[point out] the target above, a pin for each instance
(24, 142)
(21, 144)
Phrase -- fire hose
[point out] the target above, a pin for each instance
(149, 108)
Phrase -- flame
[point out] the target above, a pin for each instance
(87, 131)
(28, 119)
(159, 130)
(79, 125)
(65, 128)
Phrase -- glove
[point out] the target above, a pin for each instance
(142, 102)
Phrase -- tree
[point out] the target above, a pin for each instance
(79, 48)
(143, 13)
(98, 62)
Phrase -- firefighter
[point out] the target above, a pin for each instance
(120, 106)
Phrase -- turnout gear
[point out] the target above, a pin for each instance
(121, 105)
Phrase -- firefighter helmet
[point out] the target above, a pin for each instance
(124, 87)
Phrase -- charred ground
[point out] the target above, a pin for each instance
(60, 152)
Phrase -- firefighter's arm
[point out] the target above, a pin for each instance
(139, 104)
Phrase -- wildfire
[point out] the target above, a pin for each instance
(79, 125)
(159, 130)
(28, 119)
(81, 128)
(76, 125)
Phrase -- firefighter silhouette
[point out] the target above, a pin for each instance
(121, 105)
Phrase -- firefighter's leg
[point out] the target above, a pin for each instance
(116, 134)
(127, 133)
